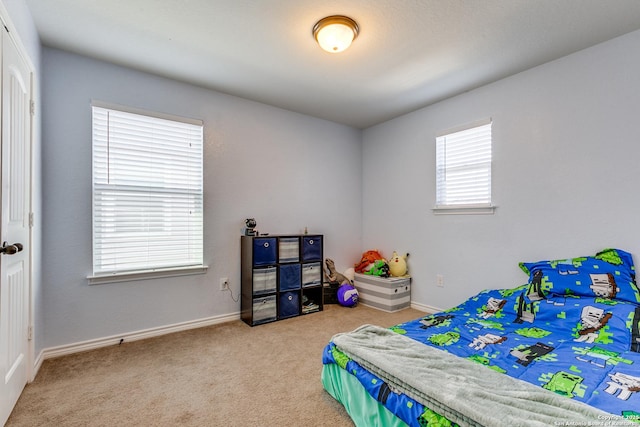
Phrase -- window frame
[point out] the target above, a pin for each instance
(150, 271)
(464, 208)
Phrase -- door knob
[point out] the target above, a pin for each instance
(11, 249)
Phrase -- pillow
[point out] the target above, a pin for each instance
(609, 274)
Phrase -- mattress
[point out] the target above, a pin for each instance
(559, 350)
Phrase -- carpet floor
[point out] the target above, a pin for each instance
(224, 375)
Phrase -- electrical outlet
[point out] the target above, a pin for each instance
(224, 283)
(440, 280)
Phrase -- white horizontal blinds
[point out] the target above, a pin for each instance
(463, 167)
(147, 192)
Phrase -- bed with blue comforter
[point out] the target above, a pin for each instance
(563, 349)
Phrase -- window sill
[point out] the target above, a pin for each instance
(464, 210)
(147, 274)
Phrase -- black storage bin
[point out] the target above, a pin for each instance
(330, 293)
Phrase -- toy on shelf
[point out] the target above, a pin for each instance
(250, 227)
(398, 265)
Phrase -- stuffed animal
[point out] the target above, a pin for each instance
(398, 265)
(332, 276)
(367, 261)
(350, 273)
(379, 268)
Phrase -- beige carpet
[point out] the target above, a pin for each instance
(224, 375)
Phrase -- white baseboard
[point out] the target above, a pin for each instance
(37, 364)
(426, 308)
(64, 350)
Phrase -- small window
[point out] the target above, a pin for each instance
(147, 192)
(463, 170)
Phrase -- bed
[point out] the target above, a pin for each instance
(563, 349)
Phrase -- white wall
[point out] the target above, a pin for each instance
(566, 175)
(288, 170)
(565, 181)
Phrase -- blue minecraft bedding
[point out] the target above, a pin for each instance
(573, 329)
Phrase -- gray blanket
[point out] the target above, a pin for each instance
(462, 390)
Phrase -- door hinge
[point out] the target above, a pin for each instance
(32, 107)
(30, 219)
(30, 333)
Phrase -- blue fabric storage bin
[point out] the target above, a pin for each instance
(289, 304)
(312, 248)
(264, 251)
(290, 276)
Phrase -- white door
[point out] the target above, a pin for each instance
(14, 254)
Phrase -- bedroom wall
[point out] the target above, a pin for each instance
(565, 175)
(288, 170)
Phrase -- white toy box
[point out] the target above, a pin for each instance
(388, 294)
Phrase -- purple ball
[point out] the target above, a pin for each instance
(347, 295)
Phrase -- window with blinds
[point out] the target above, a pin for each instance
(463, 168)
(147, 192)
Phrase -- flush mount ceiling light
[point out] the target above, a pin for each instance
(335, 33)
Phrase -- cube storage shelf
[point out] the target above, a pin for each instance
(281, 277)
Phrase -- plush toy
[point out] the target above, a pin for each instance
(398, 265)
(347, 296)
(367, 260)
(350, 274)
(332, 276)
(379, 268)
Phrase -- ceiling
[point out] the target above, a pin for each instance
(409, 54)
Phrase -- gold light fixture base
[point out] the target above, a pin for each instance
(335, 33)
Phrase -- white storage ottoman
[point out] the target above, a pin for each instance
(388, 294)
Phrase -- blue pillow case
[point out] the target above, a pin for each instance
(610, 274)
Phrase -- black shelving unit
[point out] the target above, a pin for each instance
(281, 277)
